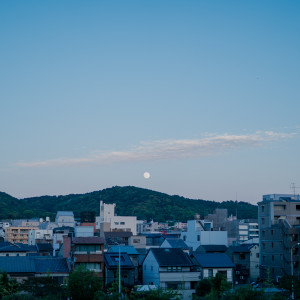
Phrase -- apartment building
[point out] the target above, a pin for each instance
(18, 234)
(279, 231)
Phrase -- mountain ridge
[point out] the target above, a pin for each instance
(130, 200)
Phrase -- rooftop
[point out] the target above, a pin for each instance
(213, 260)
(171, 257)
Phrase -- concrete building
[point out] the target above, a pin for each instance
(248, 229)
(108, 221)
(279, 229)
(40, 235)
(200, 232)
(18, 234)
(65, 218)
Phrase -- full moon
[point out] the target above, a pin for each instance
(146, 175)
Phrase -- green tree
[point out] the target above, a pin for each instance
(245, 293)
(84, 284)
(8, 286)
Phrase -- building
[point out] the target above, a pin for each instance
(39, 236)
(200, 233)
(210, 264)
(65, 218)
(112, 260)
(18, 234)
(279, 231)
(170, 268)
(23, 267)
(108, 221)
(86, 252)
(248, 229)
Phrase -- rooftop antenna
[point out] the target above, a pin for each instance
(236, 205)
(293, 188)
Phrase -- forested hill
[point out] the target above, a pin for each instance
(130, 201)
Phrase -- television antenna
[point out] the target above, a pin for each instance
(293, 188)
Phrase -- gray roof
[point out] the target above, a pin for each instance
(65, 213)
(177, 243)
(16, 247)
(171, 257)
(212, 260)
(33, 264)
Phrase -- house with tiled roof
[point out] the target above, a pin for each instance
(209, 264)
(132, 253)
(22, 267)
(112, 261)
(170, 268)
(246, 260)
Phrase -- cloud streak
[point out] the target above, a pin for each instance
(169, 149)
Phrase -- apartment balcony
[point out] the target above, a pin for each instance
(179, 276)
(88, 257)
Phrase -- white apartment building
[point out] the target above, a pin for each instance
(37, 235)
(108, 221)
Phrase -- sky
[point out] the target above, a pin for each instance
(203, 95)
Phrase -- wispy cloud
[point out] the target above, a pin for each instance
(169, 149)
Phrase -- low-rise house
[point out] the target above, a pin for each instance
(112, 260)
(240, 255)
(23, 267)
(18, 249)
(170, 268)
(44, 249)
(209, 264)
(137, 241)
(133, 255)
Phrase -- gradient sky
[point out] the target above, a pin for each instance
(204, 95)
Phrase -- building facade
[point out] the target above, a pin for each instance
(279, 228)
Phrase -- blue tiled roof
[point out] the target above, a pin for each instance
(213, 260)
(17, 264)
(127, 249)
(52, 265)
(33, 264)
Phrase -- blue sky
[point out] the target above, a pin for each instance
(204, 95)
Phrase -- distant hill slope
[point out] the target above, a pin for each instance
(130, 200)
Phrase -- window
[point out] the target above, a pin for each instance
(297, 207)
(257, 255)
(272, 257)
(116, 223)
(184, 238)
(272, 245)
(242, 256)
(122, 223)
(272, 231)
(262, 208)
(210, 272)
(198, 237)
